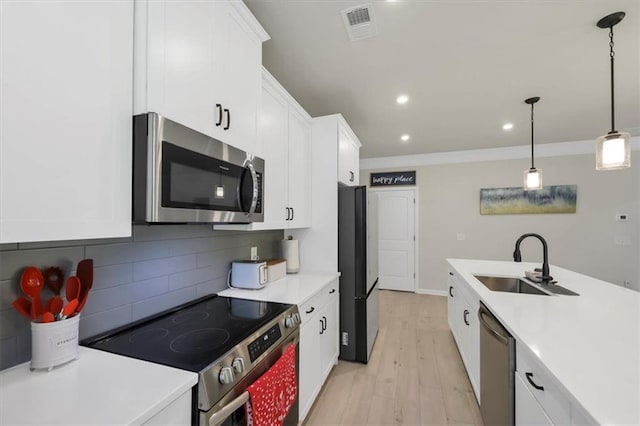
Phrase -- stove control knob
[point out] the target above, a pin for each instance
(289, 321)
(226, 375)
(238, 365)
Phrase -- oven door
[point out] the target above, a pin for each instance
(230, 410)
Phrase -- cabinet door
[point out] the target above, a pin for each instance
(66, 111)
(453, 307)
(274, 118)
(329, 335)
(309, 363)
(348, 159)
(472, 335)
(528, 411)
(299, 170)
(180, 63)
(237, 79)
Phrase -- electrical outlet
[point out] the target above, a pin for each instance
(622, 217)
(254, 253)
(627, 283)
(461, 236)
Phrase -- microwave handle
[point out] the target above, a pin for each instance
(254, 178)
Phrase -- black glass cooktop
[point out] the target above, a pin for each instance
(191, 336)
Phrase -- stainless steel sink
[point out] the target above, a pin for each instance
(517, 285)
(509, 285)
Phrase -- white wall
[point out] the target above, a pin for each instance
(583, 242)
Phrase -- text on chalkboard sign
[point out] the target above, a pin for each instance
(393, 178)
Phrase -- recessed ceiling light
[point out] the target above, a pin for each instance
(507, 126)
(404, 137)
(402, 99)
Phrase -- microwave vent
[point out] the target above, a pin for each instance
(360, 22)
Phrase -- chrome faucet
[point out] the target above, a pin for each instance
(517, 257)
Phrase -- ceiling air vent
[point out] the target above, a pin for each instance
(360, 22)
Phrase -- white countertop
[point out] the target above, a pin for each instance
(293, 288)
(97, 388)
(590, 342)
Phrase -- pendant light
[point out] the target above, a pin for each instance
(613, 150)
(533, 176)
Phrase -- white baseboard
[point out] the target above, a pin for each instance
(431, 292)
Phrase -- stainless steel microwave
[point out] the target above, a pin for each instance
(183, 176)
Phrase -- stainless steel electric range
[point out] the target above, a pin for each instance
(229, 342)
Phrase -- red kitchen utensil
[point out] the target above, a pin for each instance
(72, 288)
(53, 279)
(85, 273)
(23, 306)
(31, 284)
(48, 317)
(55, 305)
(70, 308)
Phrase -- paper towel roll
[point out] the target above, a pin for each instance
(289, 249)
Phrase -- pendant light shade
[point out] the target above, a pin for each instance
(532, 176)
(532, 179)
(613, 150)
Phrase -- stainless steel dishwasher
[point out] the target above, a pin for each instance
(497, 369)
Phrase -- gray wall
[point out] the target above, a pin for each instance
(158, 268)
(584, 242)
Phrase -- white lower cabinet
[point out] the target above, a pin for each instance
(176, 413)
(542, 386)
(540, 398)
(463, 321)
(318, 343)
(528, 411)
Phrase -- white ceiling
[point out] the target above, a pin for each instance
(467, 67)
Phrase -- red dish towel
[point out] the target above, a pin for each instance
(273, 394)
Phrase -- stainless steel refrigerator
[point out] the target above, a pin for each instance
(358, 265)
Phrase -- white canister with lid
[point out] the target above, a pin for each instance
(289, 249)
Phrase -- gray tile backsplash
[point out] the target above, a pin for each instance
(159, 267)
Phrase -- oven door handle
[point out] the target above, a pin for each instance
(228, 409)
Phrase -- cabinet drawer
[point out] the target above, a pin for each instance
(309, 308)
(528, 410)
(552, 400)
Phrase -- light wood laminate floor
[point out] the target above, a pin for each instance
(415, 375)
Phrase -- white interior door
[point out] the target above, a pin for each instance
(396, 239)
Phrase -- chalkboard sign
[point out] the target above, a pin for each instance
(393, 179)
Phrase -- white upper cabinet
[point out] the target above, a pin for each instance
(285, 138)
(348, 156)
(66, 114)
(299, 170)
(199, 63)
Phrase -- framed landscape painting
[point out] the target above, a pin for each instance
(549, 199)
